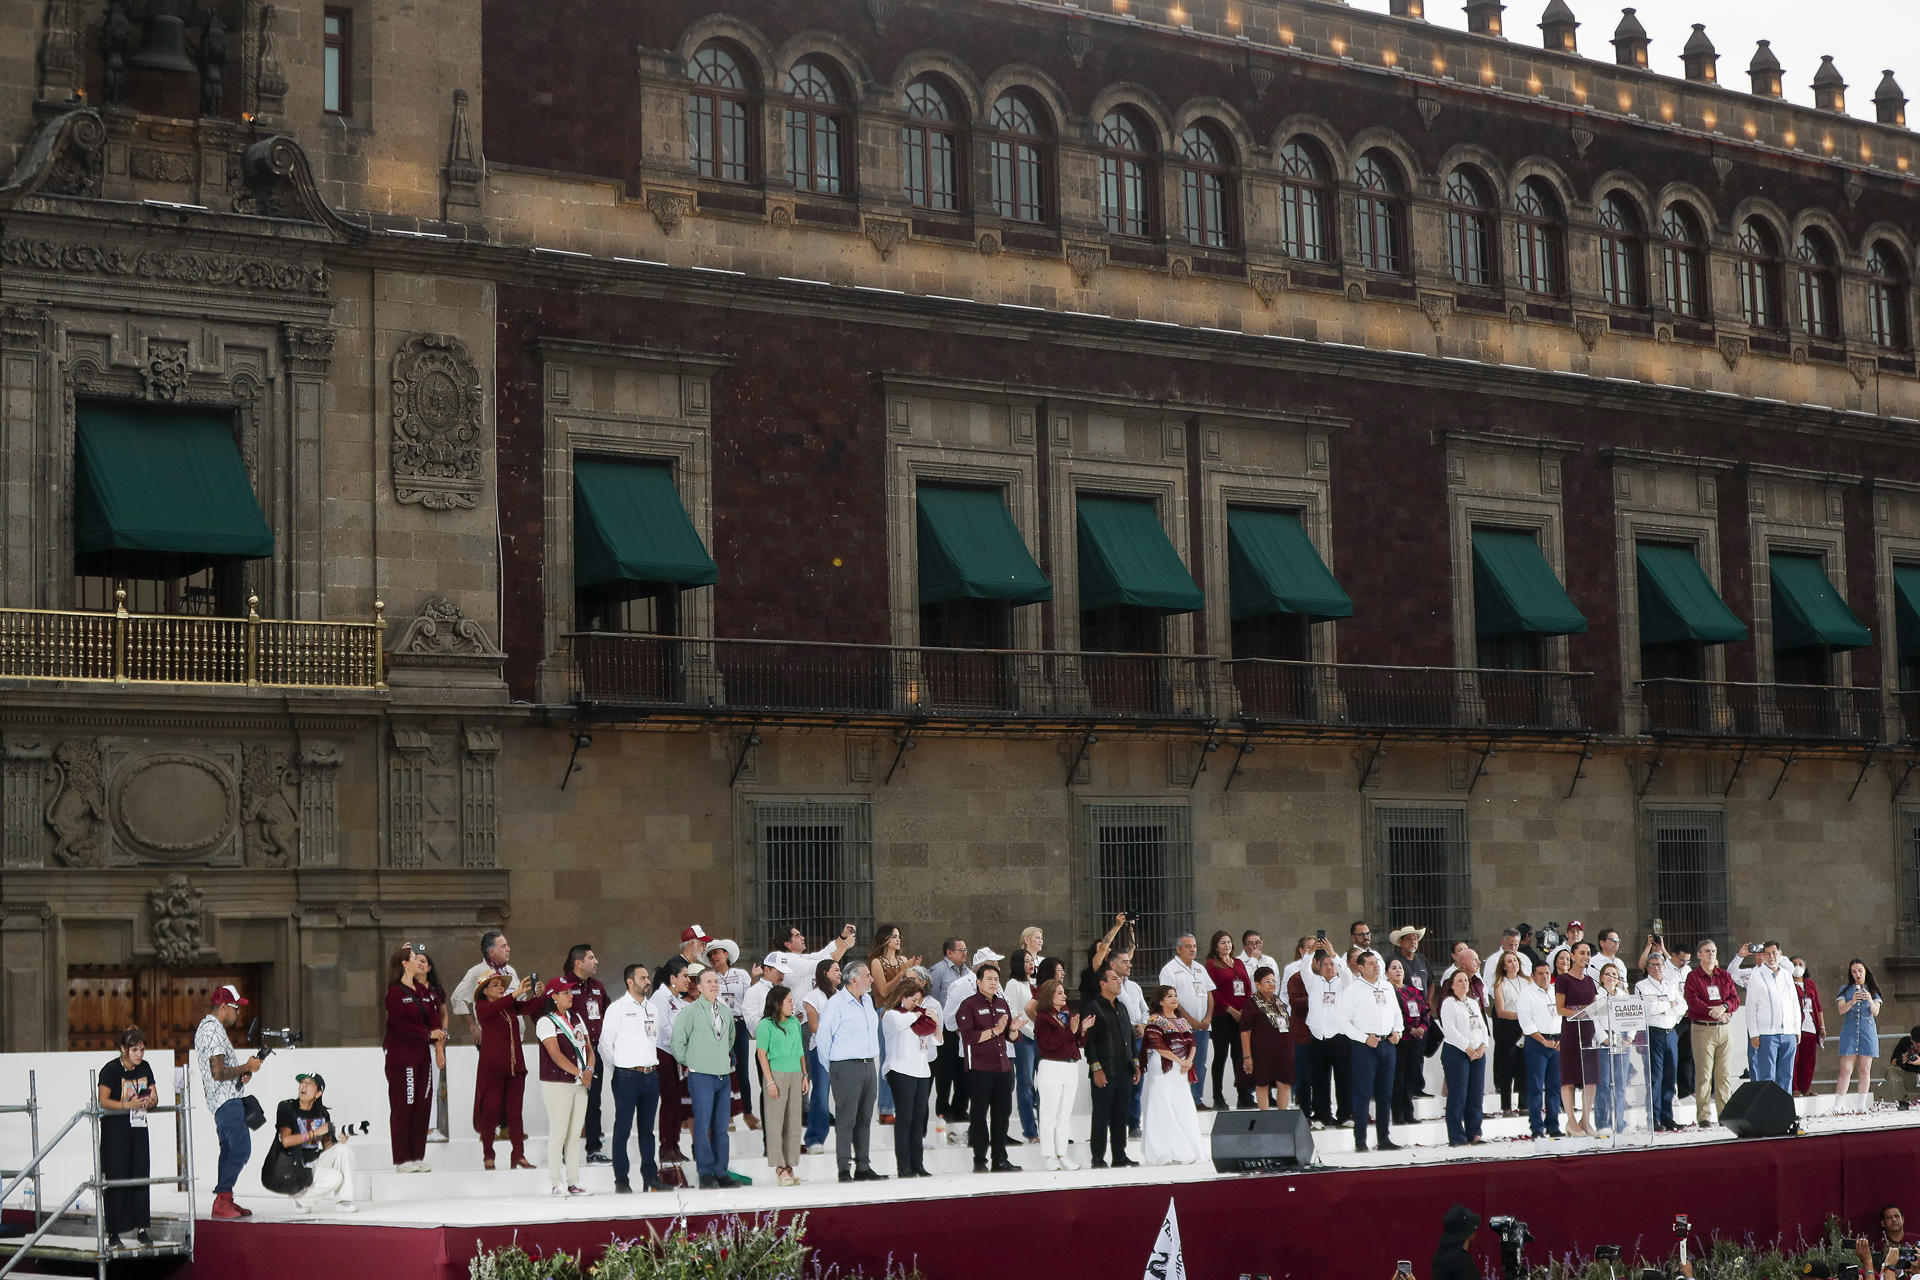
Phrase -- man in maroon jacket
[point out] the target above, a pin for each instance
(590, 1002)
(1712, 1000)
(982, 1022)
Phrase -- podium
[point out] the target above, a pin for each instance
(1611, 1035)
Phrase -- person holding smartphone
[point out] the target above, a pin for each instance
(127, 1093)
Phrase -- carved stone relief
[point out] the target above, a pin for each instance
(77, 811)
(270, 824)
(443, 788)
(436, 424)
(320, 805)
(25, 766)
(464, 169)
(174, 918)
(181, 267)
(443, 630)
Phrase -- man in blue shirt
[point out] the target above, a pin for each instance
(849, 1042)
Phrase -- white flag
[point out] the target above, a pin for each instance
(1166, 1262)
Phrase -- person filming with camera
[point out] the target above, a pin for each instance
(1897, 1254)
(310, 1160)
(222, 1078)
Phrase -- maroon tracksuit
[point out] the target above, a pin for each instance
(413, 1015)
(500, 1086)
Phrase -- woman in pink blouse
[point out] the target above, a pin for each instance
(1232, 988)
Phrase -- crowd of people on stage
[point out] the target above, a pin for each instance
(811, 1043)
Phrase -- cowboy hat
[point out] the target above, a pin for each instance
(1407, 930)
(727, 945)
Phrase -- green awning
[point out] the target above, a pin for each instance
(1906, 596)
(1272, 567)
(1807, 612)
(1125, 558)
(1514, 589)
(161, 483)
(629, 526)
(970, 549)
(1677, 603)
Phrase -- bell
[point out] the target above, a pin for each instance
(165, 45)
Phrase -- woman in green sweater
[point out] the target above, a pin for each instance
(778, 1041)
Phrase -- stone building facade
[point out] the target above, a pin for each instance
(1412, 474)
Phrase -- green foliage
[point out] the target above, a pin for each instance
(731, 1248)
(515, 1263)
(1724, 1258)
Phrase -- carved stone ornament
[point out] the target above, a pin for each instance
(65, 159)
(1582, 139)
(781, 216)
(165, 372)
(464, 169)
(1722, 167)
(1732, 349)
(442, 630)
(888, 234)
(989, 245)
(436, 424)
(1429, 109)
(1797, 352)
(309, 347)
(1356, 292)
(173, 914)
(1663, 334)
(174, 267)
(1261, 77)
(161, 166)
(1437, 307)
(1853, 189)
(668, 207)
(269, 790)
(1516, 315)
(882, 11)
(1079, 44)
(78, 810)
(1084, 260)
(1863, 368)
(270, 85)
(1268, 285)
(275, 181)
(1591, 329)
(25, 328)
(1179, 268)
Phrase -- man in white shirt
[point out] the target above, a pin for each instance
(1608, 953)
(1773, 1014)
(958, 991)
(494, 954)
(849, 1043)
(1323, 1025)
(1666, 1003)
(1188, 977)
(1539, 1018)
(1253, 954)
(667, 1000)
(949, 1067)
(1370, 1019)
(630, 1047)
(796, 964)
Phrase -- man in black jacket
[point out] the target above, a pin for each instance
(1110, 1058)
(1451, 1261)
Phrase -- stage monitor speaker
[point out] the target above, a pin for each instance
(1261, 1141)
(1760, 1109)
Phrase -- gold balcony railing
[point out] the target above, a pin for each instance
(144, 648)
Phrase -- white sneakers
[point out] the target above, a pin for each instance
(413, 1166)
(1050, 1164)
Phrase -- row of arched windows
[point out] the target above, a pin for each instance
(721, 119)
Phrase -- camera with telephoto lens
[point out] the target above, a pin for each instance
(281, 1038)
(1606, 1253)
(1551, 937)
(1513, 1236)
(354, 1129)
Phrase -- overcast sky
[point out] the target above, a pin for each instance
(1864, 37)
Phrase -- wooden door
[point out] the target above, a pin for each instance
(166, 1004)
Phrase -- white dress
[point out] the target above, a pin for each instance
(1169, 1125)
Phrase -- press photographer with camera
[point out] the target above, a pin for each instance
(127, 1093)
(221, 1081)
(309, 1159)
(1451, 1261)
(1897, 1254)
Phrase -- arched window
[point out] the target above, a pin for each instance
(1206, 187)
(931, 140)
(1126, 167)
(1469, 228)
(1758, 270)
(1537, 236)
(1019, 159)
(1819, 305)
(1886, 297)
(1382, 221)
(1683, 262)
(1620, 256)
(816, 128)
(720, 115)
(1303, 203)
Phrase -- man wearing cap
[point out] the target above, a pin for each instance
(567, 1068)
(703, 1044)
(629, 1047)
(694, 943)
(1575, 932)
(1452, 1260)
(304, 1129)
(1406, 940)
(982, 1021)
(723, 957)
(849, 1042)
(221, 1080)
(590, 1002)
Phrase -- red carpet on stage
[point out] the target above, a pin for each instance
(1354, 1223)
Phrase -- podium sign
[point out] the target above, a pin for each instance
(1629, 1015)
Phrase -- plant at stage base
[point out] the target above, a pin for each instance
(1744, 1258)
(732, 1248)
(515, 1263)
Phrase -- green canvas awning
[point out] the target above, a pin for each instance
(1807, 612)
(970, 549)
(1677, 603)
(1906, 596)
(1272, 567)
(630, 526)
(1125, 558)
(1514, 589)
(160, 483)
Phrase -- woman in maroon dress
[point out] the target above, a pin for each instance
(1573, 991)
(1266, 1053)
(1410, 1059)
(1813, 1028)
(1231, 991)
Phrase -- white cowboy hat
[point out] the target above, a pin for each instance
(1405, 930)
(727, 945)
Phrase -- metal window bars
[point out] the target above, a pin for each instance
(1423, 873)
(1908, 835)
(1686, 872)
(812, 867)
(1139, 859)
(99, 1184)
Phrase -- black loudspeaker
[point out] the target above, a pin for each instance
(1260, 1141)
(1760, 1109)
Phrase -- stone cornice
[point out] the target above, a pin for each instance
(1013, 392)
(1802, 475)
(658, 359)
(1509, 442)
(1670, 461)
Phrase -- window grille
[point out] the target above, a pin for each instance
(1139, 860)
(1423, 874)
(1686, 875)
(812, 867)
(1908, 836)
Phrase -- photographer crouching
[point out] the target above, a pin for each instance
(310, 1160)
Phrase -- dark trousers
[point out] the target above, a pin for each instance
(1409, 1062)
(856, 1090)
(236, 1144)
(409, 1106)
(950, 1081)
(1373, 1071)
(1543, 1088)
(1340, 1066)
(1133, 1107)
(1225, 1037)
(1683, 1066)
(124, 1154)
(745, 1066)
(990, 1103)
(1509, 1064)
(1309, 1089)
(1112, 1105)
(673, 1112)
(1662, 1056)
(636, 1096)
(593, 1133)
(910, 1096)
(1466, 1093)
(499, 1098)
